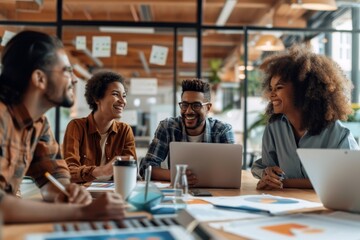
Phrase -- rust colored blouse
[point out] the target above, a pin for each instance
(82, 150)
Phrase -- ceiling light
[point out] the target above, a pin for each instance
(127, 30)
(225, 12)
(318, 5)
(269, 43)
(249, 68)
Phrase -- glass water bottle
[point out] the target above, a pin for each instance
(180, 183)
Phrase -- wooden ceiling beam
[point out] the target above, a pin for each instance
(134, 13)
(135, 2)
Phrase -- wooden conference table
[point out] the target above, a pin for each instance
(248, 186)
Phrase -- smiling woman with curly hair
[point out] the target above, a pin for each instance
(308, 94)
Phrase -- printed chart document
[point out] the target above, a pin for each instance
(296, 227)
(101, 187)
(262, 203)
(207, 212)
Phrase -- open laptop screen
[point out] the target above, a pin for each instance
(334, 174)
(216, 165)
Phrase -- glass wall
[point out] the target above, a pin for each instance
(334, 44)
(155, 44)
(28, 11)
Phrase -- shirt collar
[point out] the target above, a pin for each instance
(20, 116)
(92, 125)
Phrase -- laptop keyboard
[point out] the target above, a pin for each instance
(131, 223)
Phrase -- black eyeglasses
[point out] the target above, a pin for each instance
(68, 69)
(196, 106)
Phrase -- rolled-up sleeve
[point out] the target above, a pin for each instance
(47, 158)
(158, 149)
(72, 141)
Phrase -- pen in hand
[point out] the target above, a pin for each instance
(57, 184)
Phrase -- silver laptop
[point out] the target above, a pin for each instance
(334, 174)
(216, 165)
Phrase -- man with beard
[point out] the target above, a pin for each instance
(36, 75)
(192, 126)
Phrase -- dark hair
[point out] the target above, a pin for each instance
(321, 90)
(22, 55)
(197, 85)
(96, 86)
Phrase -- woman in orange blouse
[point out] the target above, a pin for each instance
(91, 143)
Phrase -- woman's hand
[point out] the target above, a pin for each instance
(109, 206)
(271, 179)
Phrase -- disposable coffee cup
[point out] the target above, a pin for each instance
(125, 173)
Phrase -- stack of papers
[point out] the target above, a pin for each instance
(296, 227)
(264, 203)
(207, 212)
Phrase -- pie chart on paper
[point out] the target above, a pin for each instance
(270, 200)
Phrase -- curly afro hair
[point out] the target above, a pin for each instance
(96, 86)
(197, 85)
(321, 90)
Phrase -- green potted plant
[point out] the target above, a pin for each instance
(214, 78)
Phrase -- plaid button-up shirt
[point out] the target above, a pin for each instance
(26, 147)
(173, 130)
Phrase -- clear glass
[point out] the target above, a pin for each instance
(181, 184)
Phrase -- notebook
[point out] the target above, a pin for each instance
(216, 165)
(334, 174)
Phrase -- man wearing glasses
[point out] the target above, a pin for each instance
(192, 126)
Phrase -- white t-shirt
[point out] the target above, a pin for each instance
(103, 140)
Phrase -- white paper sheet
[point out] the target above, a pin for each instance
(296, 227)
(189, 50)
(158, 55)
(161, 184)
(207, 212)
(101, 187)
(80, 42)
(143, 86)
(101, 46)
(6, 37)
(121, 48)
(345, 216)
(264, 202)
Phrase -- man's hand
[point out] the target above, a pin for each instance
(191, 178)
(271, 179)
(77, 194)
